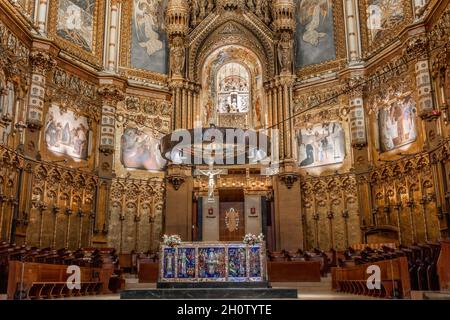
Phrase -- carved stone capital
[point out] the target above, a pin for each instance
(176, 181)
(106, 150)
(111, 95)
(289, 179)
(34, 125)
(42, 62)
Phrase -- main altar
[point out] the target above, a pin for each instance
(202, 262)
(212, 270)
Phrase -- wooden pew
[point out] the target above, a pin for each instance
(47, 281)
(293, 271)
(394, 277)
(443, 265)
(148, 270)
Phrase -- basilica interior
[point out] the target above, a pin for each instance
(354, 96)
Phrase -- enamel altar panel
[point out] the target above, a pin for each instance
(213, 262)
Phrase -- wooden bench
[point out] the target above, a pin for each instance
(293, 271)
(48, 281)
(395, 280)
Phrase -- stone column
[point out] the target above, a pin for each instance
(110, 96)
(288, 204)
(352, 30)
(114, 9)
(179, 194)
(42, 15)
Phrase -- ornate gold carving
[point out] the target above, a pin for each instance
(372, 47)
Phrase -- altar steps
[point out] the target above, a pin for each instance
(209, 293)
(206, 290)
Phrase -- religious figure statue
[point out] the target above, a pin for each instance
(211, 262)
(177, 60)
(169, 264)
(184, 260)
(211, 174)
(285, 53)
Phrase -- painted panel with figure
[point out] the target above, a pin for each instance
(65, 133)
(314, 33)
(397, 124)
(149, 39)
(383, 15)
(322, 144)
(76, 22)
(140, 150)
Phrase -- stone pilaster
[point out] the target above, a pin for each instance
(111, 95)
(179, 191)
(352, 31)
(41, 63)
(114, 10)
(42, 15)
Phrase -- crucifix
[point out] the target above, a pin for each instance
(211, 173)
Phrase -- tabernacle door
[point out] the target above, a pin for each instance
(232, 221)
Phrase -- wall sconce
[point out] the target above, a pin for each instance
(253, 211)
(210, 211)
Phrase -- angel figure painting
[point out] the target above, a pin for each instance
(75, 22)
(149, 40)
(140, 150)
(314, 33)
(383, 15)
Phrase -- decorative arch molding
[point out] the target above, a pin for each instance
(228, 29)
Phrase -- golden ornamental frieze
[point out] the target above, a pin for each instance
(14, 54)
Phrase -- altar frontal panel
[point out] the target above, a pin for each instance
(213, 262)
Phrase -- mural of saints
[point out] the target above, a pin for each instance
(323, 144)
(314, 33)
(75, 22)
(397, 124)
(149, 40)
(66, 133)
(140, 150)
